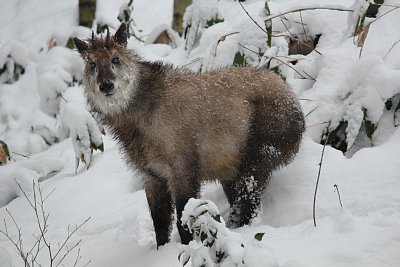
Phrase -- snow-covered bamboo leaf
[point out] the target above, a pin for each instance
(84, 131)
(201, 14)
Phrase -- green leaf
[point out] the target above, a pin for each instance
(337, 138)
(239, 60)
(99, 147)
(369, 126)
(220, 255)
(259, 236)
(102, 28)
(217, 218)
(70, 43)
(213, 21)
(214, 233)
(203, 236)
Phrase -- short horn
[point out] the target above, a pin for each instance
(108, 37)
(92, 38)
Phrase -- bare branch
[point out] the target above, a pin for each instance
(333, 8)
(384, 14)
(302, 24)
(314, 109)
(68, 251)
(30, 257)
(337, 190)
(221, 39)
(283, 62)
(319, 174)
(312, 125)
(255, 22)
(391, 48)
(69, 236)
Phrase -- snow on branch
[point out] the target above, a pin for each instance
(214, 244)
(84, 132)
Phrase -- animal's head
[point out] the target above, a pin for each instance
(110, 70)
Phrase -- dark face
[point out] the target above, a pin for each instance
(103, 65)
(110, 72)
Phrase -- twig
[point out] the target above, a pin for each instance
(68, 237)
(19, 154)
(302, 24)
(286, 64)
(310, 8)
(191, 62)
(17, 244)
(283, 62)
(319, 174)
(311, 112)
(215, 47)
(384, 14)
(221, 39)
(391, 48)
(255, 22)
(30, 257)
(298, 40)
(316, 124)
(337, 190)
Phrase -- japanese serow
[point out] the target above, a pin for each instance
(179, 128)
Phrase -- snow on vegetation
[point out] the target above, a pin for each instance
(348, 83)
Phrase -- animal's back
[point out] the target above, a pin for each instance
(216, 113)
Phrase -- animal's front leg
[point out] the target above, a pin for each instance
(160, 204)
(185, 187)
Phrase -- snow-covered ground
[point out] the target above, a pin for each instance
(364, 232)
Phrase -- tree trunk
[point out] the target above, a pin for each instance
(179, 10)
(87, 9)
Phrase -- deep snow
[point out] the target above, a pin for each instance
(364, 232)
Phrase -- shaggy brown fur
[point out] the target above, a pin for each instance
(180, 128)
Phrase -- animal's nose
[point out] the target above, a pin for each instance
(106, 87)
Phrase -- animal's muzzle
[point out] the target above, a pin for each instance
(107, 88)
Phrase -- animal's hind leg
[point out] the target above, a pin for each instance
(245, 193)
(244, 196)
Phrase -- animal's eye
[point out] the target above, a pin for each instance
(115, 60)
(92, 65)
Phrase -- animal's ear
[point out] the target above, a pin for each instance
(121, 35)
(81, 45)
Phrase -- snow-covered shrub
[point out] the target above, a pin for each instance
(126, 16)
(369, 86)
(200, 15)
(43, 250)
(29, 124)
(84, 132)
(10, 71)
(214, 244)
(361, 95)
